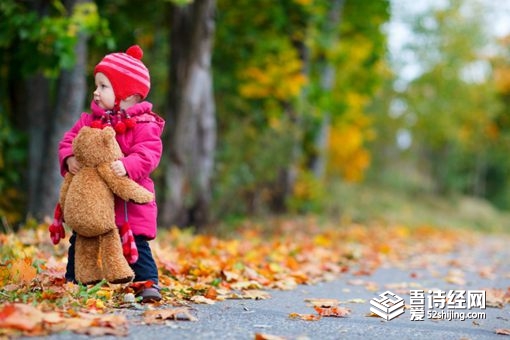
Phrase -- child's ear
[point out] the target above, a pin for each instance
(136, 98)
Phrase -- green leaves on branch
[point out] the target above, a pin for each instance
(180, 2)
(47, 42)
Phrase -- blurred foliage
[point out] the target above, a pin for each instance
(245, 168)
(270, 66)
(51, 37)
(499, 131)
(269, 63)
(451, 109)
(12, 157)
(149, 27)
(34, 39)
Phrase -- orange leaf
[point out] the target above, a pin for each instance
(20, 316)
(211, 293)
(22, 270)
(333, 311)
(306, 317)
(264, 336)
(7, 311)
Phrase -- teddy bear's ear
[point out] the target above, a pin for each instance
(109, 135)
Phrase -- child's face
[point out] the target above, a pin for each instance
(103, 95)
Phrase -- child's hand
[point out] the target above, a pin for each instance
(73, 165)
(118, 168)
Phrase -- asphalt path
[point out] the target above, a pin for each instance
(483, 266)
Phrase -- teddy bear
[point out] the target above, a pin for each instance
(87, 204)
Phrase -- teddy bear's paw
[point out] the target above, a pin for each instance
(89, 282)
(122, 280)
(143, 197)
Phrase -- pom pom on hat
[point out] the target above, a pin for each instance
(126, 72)
(135, 51)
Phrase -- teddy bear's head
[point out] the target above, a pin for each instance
(93, 146)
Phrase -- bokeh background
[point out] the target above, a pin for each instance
(353, 110)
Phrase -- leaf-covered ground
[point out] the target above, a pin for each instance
(278, 254)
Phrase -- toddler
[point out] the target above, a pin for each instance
(122, 83)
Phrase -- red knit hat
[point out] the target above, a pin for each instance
(126, 72)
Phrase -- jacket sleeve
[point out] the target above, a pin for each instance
(65, 146)
(145, 153)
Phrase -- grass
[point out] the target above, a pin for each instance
(367, 203)
(404, 201)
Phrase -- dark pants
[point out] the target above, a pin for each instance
(145, 268)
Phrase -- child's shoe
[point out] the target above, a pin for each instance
(150, 294)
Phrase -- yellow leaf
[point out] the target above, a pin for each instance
(21, 270)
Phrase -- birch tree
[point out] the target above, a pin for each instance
(191, 124)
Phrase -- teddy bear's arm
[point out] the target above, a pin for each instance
(65, 186)
(124, 187)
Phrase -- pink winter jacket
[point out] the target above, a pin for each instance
(142, 148)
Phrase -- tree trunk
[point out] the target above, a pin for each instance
(48, 124)
(71, 95)
(318, 163)
(38, 108)
(191, 138)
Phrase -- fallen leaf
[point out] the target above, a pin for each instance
(230, 275)
(211, 293)
(159, 316)
(265, 336)
(495, 297)
(202, 299)
(487, 273)
(455, 277)
(20, 316)
(358, 300)
(246, 285)
(372, 315)
(21, 270)
(333, 311)
(255, 294)
(306, 317)
(98, 325)
(503, 331)
(323, 302)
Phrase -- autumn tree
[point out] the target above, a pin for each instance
(45, 93)
(450, 106)
(191, 139)
(498, 170)
(348, 67)
(304, 73)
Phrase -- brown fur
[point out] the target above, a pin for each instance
(87, 201)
